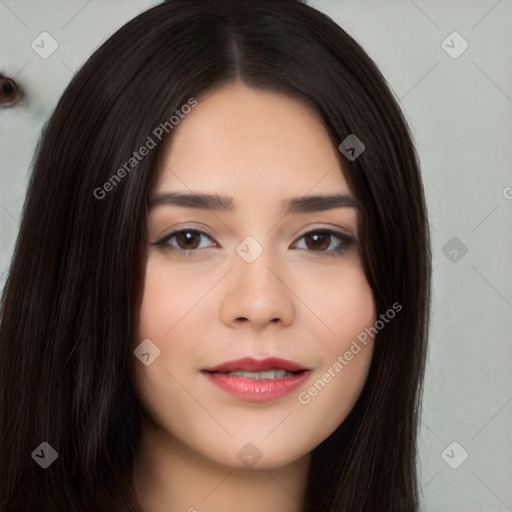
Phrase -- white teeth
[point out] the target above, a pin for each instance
(264, 375)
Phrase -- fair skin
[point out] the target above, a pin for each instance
(212, 306)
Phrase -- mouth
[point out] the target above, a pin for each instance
(275, 373)
(256, 380)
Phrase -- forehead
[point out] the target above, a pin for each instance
(248, 141)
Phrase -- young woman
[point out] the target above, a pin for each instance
(219, 295)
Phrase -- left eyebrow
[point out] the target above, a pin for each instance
(216, 202)
(307, 204)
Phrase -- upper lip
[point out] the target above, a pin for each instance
(255, 365)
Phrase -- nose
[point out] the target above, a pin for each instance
(257, 293)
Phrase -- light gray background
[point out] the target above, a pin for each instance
(460, 111)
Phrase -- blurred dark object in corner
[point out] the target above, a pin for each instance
(10, 93)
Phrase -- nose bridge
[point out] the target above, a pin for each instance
(256, 264)
(257, 292)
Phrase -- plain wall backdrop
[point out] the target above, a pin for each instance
(449, 65)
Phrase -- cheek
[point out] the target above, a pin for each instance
(163, 300)
(167, 302)
(345, 305)
(334, 391)
(342, 301)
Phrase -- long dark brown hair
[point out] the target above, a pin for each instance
(70, 304)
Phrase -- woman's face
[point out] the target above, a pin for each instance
(258, 280)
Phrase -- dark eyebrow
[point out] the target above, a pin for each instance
(307, 204)
(215, 202)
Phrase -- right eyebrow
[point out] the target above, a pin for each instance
(194, 200)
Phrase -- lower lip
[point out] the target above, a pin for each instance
(254, 390)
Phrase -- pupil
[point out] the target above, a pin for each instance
(7, 88)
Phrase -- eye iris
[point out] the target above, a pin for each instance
(185, 237)
(323, 237)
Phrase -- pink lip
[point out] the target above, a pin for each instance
(254, 390)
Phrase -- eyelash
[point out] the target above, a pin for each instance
(346, 241)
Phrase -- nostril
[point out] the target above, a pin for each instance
(9, 91)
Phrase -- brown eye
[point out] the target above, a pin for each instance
(319, 240)
(185, 242)
(188, 239)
